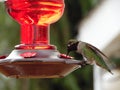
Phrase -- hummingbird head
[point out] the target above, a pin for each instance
(72, 46)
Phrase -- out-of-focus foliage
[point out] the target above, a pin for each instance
(61, 31)
(9, 30)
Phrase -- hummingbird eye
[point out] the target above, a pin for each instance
(68, 45)
(72, 46)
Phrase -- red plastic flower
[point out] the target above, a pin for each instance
(28, 54)
(65, 56)
(2, 57)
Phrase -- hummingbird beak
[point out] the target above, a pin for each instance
(68, 51)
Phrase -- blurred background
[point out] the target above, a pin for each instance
(94, 21)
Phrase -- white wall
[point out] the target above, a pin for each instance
(99, 29)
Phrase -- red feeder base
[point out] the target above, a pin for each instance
(41, 64)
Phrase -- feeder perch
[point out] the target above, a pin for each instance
(35, 57)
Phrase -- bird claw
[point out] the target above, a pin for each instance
(83, 63)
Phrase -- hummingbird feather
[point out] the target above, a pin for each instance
(101, 57)
(98, 51)
(90, 53)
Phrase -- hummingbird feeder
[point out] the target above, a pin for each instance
(35, 57)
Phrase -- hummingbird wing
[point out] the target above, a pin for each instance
(101, 57)
(97, 51)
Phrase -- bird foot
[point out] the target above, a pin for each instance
(83, 63)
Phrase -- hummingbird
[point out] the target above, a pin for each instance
(90, 53)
